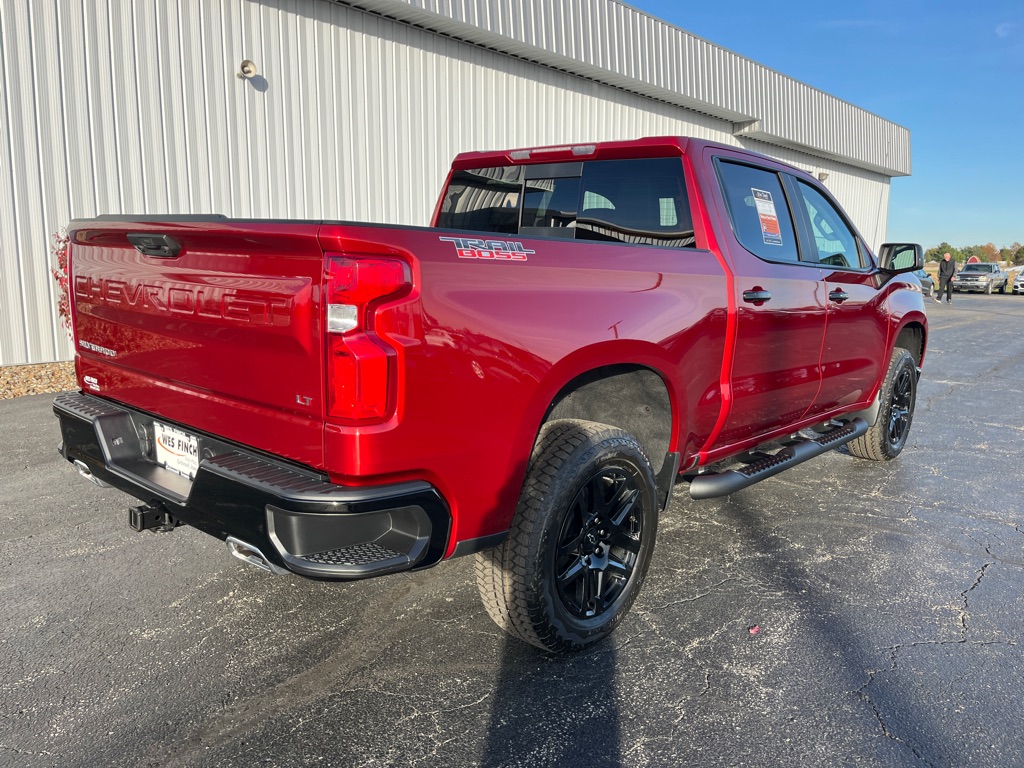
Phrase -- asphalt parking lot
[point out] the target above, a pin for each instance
(844, 613)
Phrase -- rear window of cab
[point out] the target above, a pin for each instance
(641, 202)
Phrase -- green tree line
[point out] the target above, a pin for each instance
(1013, 254)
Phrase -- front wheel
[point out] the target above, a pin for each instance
(580, 542)
(887, 436)
(988, 289)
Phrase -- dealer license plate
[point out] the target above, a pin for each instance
(176, 450)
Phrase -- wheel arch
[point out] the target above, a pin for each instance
(633, 397)
(913, 338)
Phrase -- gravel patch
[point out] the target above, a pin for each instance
(18, 380)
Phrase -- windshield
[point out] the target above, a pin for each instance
(978, 268)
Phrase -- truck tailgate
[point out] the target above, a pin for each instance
(209, 323)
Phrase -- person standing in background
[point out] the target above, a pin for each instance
(947, 268)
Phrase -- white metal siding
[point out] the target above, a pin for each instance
(618, 44)
(114, 106)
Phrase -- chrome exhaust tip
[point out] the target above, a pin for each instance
(84, 471)
(247, 553)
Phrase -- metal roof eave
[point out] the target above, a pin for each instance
(850, 135)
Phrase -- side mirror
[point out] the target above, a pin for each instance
(897, 258)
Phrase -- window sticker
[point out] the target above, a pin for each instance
(770, 231)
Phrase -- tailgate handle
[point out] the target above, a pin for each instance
(161, 246)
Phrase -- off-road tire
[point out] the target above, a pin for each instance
(888, 435)
(588, 512)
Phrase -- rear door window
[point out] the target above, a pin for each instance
(759, 211)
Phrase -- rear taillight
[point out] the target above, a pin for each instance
(361, 366)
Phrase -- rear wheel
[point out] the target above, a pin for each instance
(887, 436)
(580, 542)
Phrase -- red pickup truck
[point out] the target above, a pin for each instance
(525, 380)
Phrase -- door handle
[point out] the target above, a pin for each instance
(838, 296)
(757, 296)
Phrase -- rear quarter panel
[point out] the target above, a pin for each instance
(487, 344)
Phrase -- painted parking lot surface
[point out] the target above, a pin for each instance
(845, 612)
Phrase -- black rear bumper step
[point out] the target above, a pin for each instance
(273, 514)
(715, 484)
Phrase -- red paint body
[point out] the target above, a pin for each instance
(229, 338)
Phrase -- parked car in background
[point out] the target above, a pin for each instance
(926, 281)
(1018, 283)
(982, 276)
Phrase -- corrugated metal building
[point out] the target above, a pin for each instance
(125, 106)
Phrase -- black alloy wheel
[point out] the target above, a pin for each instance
(581, 539)
(902, 407)
(888, 435)
(599, 541)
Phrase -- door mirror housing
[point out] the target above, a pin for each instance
(897, 258)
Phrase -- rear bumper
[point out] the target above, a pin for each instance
(293, 515)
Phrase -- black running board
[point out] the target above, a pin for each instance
(715, 484)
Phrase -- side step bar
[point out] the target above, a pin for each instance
(715, 484)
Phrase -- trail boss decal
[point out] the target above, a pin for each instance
(495, 250)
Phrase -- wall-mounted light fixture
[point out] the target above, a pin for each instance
(822, 175)
(246, 70)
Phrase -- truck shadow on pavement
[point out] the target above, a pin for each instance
(553, 710)
(829, 630)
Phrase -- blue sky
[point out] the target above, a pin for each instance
(950, 72)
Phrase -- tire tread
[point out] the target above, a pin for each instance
(505, 575)
(874, 444)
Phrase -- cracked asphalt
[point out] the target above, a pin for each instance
(843, 613)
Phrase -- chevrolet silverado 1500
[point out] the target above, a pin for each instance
(581, 328)
(981, 277)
